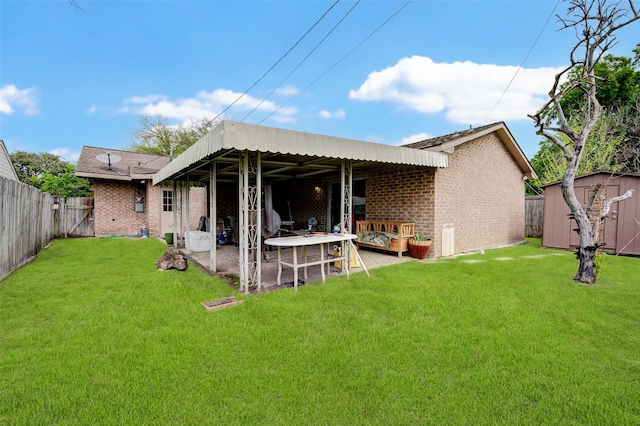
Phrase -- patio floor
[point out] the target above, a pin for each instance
(227, 264)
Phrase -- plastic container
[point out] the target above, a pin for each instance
(144, 232)
(198, 241)
(169, 238)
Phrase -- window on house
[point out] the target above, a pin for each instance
(167, 201)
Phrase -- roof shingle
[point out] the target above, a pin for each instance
(131, 166)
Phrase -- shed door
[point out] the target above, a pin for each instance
(609, 228)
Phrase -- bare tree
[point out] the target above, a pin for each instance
(595, 23)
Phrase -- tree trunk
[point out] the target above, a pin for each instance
(586, 273)
(587, 250)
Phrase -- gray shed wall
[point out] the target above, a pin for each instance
(620, 227)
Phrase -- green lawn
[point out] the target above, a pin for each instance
(93, 333)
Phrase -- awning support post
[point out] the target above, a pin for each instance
(250, 225)
(346, 183)
(187, 222)
(175, 214)
(213, 219)
(180, 213)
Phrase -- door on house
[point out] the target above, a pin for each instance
(609, 229)
(166, 211)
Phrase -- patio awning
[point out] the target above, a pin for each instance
(288, 154)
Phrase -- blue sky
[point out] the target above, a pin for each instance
(69, 79)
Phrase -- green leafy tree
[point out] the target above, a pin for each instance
(154, 135)
(600, 153)
(618, 91)
(30, 165)
(618, 84)
(50, 173)
(66, 184)
(628, 153)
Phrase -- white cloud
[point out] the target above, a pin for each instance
(465, 91)
(287, 91)
(203, 104)
(283, 119)
(92, 109)
(11, 97)
(414, 138)
(66, 154)
(335, 114)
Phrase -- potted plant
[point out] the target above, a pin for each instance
(419, 246)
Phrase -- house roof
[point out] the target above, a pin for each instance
(287, 154)
(6, 166)
(131, 166)
(448, 143)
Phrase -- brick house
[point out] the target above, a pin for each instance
(480, 195)
(466, 187)
(125, 199)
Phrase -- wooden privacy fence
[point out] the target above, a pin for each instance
(534, 215)
(75, 217)
(30, 219)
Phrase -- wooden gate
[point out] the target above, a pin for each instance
(75, 216)
(533, 216)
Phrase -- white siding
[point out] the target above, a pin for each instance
(6, 167)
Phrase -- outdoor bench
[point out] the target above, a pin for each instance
(389, 235)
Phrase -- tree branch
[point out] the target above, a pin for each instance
(606, 204)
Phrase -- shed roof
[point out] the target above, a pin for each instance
(447, 143)
(598, 172)
(288, 154)
(132, 166)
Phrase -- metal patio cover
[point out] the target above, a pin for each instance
(287, 154)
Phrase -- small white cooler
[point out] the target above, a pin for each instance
(198, 241)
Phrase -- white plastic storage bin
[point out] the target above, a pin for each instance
(199, 241)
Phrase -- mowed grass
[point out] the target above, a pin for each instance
(93, 333)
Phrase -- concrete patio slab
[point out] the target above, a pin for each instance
(228, 264)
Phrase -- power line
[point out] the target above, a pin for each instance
(340, 60)
(301, 62)
(276, 63)
(522, 63)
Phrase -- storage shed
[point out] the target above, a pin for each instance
(622, 224)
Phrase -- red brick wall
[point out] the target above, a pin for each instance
(227, 200)
(482, 194)
(305, 202)
(405, 194)
(114, 208)
(153, 206)
(198, 206)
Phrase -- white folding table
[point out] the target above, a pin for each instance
(309, 240)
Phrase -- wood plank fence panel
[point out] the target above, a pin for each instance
(534, 216)
(78, 217)
(25, 223)
(29, 221)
